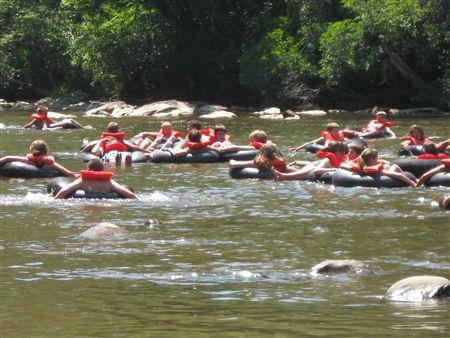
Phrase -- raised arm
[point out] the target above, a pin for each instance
(305, 144)
(13, 158)
(63, 170)
(430, 173)
(241, 164)
(29, 124)
(400, 177)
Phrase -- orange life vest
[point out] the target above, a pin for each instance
(334, 159)
(166, 135)
(372, 170)
(279, 165)
(328, 137)
(256, 145)
(196, 145)
(41, 118)
(118, 136)
(415, 141)
(377, 125)
(113, 141)
(440, 156)
(44, 159)
(95, 175)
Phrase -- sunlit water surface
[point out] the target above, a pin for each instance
(224, 257)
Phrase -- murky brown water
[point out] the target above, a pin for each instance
(230, 257)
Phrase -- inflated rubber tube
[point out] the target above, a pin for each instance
(166, 157)
(313, 147)
(56, 184)
(375, 134)
(347, 178)
(136, 157)
(415, 166)
(414, 150)
(439, 179)
(18, 169)
(242, 155)
(253, 173)
(326, 177)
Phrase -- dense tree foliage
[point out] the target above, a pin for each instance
(287, 52)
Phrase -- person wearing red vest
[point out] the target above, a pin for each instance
(268, 158)
(194, 144)
(416, 136)
(40, 120)
(431, 152)
(369, 164)
(380, 123)
(39, 157)
(444, 167)
(95, 179)
(166, 136)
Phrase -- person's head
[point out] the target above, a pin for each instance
(167, 127)
(95, 165)
(416, 132)
(112, 127)
(381, 115)
(220, 132)
(270, 152)
(368, 157)
(194, 136)
(42, 110)
(444, 202)
(39, 148)
(355, 149)
(194, 124)
(430, 148)
(337, 147)
(333, 128)
(258, 136)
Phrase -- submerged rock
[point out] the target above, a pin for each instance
(102, 230)
(337, 266)
(418, 288)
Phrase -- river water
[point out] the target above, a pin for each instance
(227, 257)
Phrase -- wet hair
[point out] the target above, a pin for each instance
(194, 136)
(419, 129)
(269, 152)
(332, 125)
(220, 127)
(194, 124)
(381, 113)
(42, 109)
(95, 165)
(258, 136)
(334, 147)
(365, 156)
(430, 148)
(39, 148)
(112, 127)
(358, 147)
(444, 202)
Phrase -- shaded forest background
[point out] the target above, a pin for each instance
(329, 53)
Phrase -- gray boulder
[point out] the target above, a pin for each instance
(168, 108)
(108, 108)
(419, 288)
(103, 230)
(340, 266)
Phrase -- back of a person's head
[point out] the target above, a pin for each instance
(258, 136)
(335, 147)
(332, 125)
(194, 124)
(366, 155)
(194, 136)
(95, 165)
(113, 127)
(42, 109)
(270, 151)
(430, 148)
(39, 148)
(358, 147)
(166, 125)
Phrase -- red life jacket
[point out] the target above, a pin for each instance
(166, 135)
(118, 136)
(205, 132)
(256, 145)
(440, 156)
(335, 160)
(372, 170)
(328, 137)
(41, 118)
(44, 159)
(95, 175)
(415, 141)
(214, 139)
(377, 125)
(446, 162)
(279, 165)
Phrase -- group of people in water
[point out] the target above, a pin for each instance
(336, 152)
